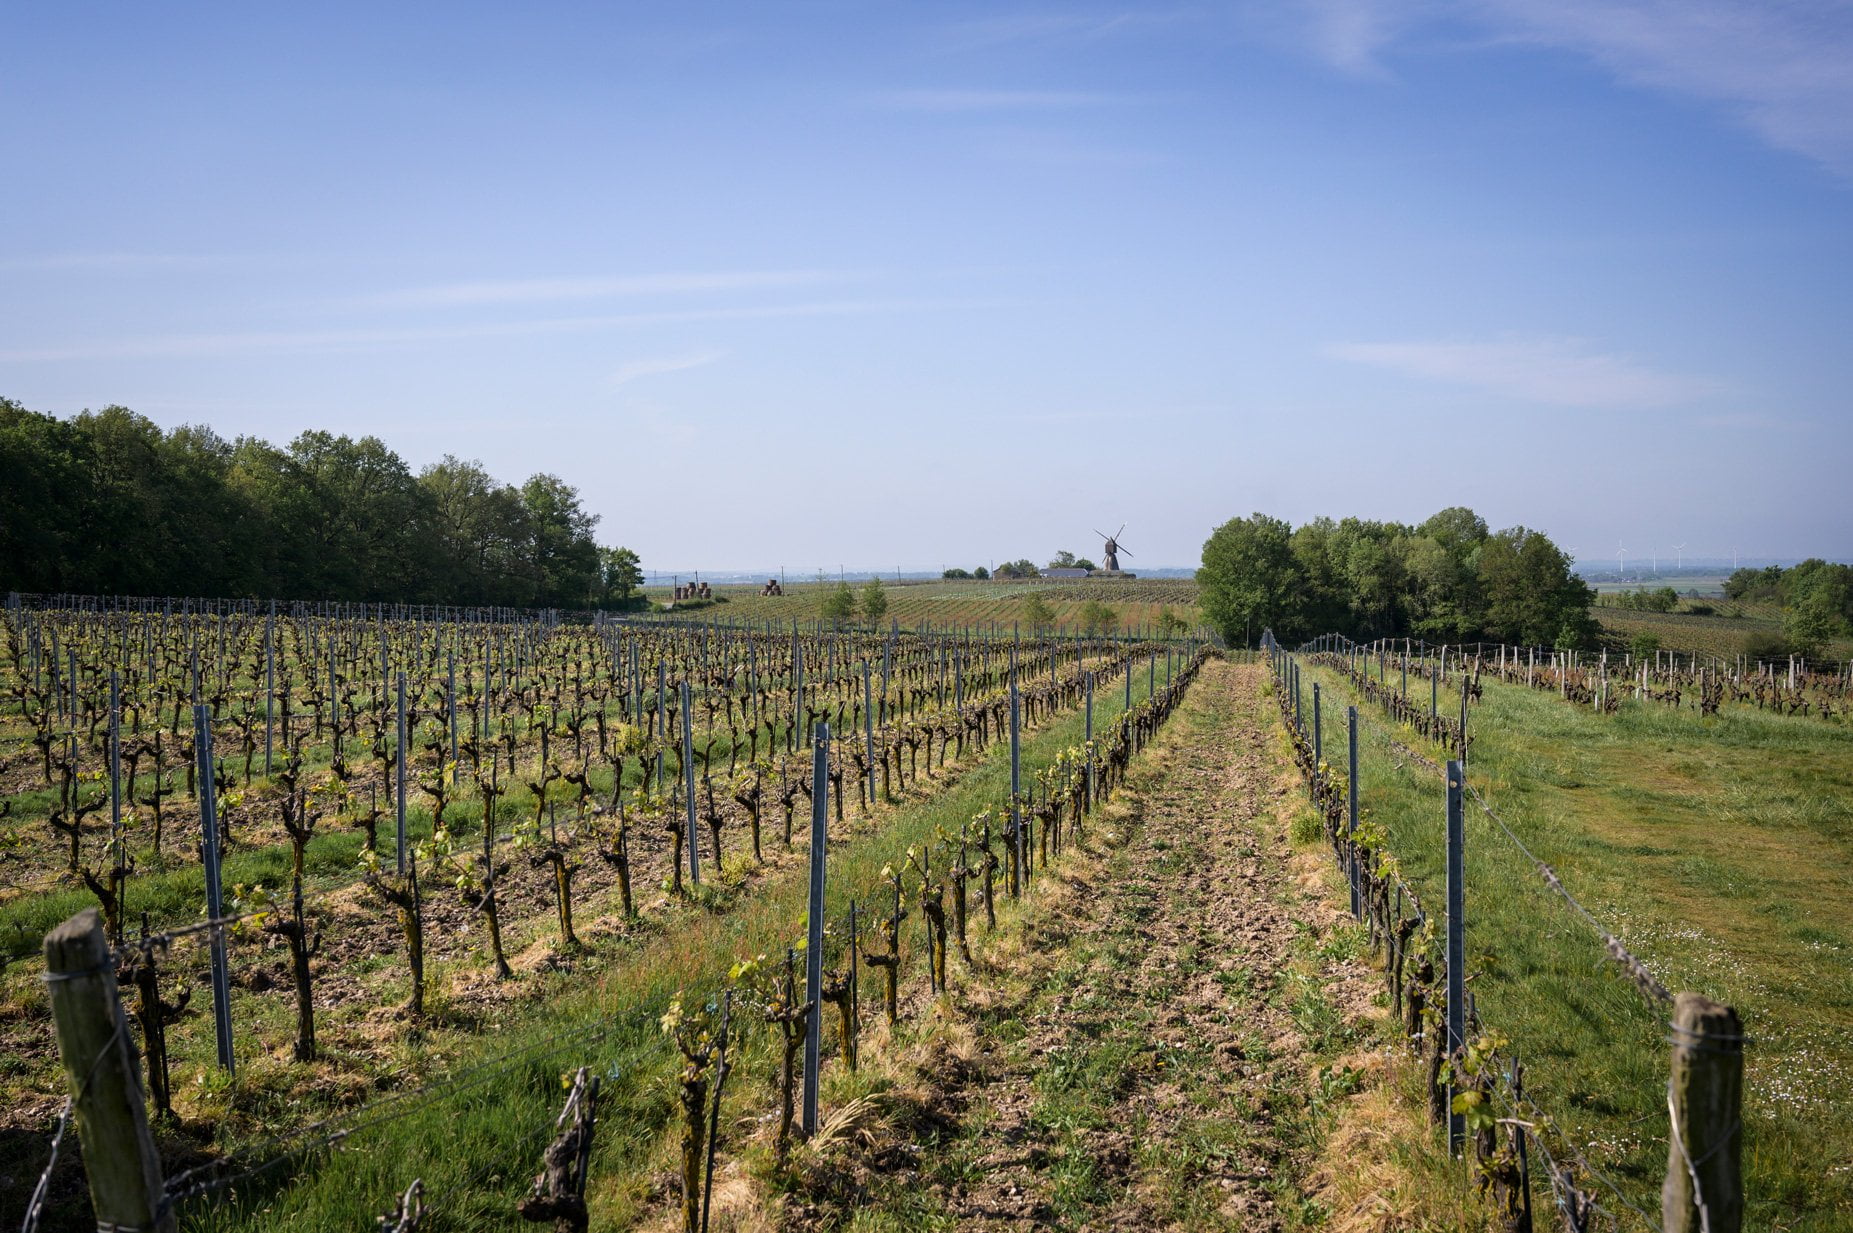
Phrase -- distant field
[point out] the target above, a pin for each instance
(1136, 601)
(1711, 585)
(1721, 632)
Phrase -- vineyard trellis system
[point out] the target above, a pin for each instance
(1602, 681)
(535, 743)
(1474, 1081)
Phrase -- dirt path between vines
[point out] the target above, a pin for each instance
(1138, 1052)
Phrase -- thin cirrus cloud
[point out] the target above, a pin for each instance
(1563, 372)
(1781, 69)
(553, 290)
(663, 365)
(172, 346)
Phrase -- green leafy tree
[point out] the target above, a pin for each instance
(623, 577)
(1531, 595)
(1037, 613)
(981, 572)
(1250, 580)
(1812, 622)
(1063, 560)
(1097, 618)
(484, 532)
(839, 603)
(1020, 568)
(1084, 563)
(1754, 584)
(356, 521)
(565, 554)
(874, 601)
(956, 573)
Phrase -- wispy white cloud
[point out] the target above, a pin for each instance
(1564, 372)
(550, 290)
(660, 365)
(260, 341)
(1780, 67)
(997, 100)
(1784, 67)
(1349, 34)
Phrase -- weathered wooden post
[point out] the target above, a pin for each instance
(106, 1090)
(1703, 1192)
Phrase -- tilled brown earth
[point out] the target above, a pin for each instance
(1137, 1055)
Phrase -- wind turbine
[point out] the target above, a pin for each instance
(1679, 558)
(1654, 555)
(1623, 557)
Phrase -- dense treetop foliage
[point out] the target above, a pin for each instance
(1660, 599)
(1816, 598)
(1447, 580)
(108, 503)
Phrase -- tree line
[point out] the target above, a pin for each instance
(1449, 579)
(107, 503)
(1815, 599)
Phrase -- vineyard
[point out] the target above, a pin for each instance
(403, 904)
(1618, 844)
(1137, 603)
(344, 859)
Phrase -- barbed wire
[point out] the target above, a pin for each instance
(1638, 972)
(1643, 979)
(35, 1206)
(117, 1038)
(1539, 1118)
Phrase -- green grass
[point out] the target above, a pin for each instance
(476, 1152)
(1721, 851)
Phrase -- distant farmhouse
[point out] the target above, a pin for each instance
(1064, 573)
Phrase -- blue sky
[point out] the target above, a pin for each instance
(925, 284)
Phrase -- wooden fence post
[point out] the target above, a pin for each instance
(106, 1090)
(1704, 1191)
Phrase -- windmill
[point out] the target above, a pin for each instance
(1110, 558)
